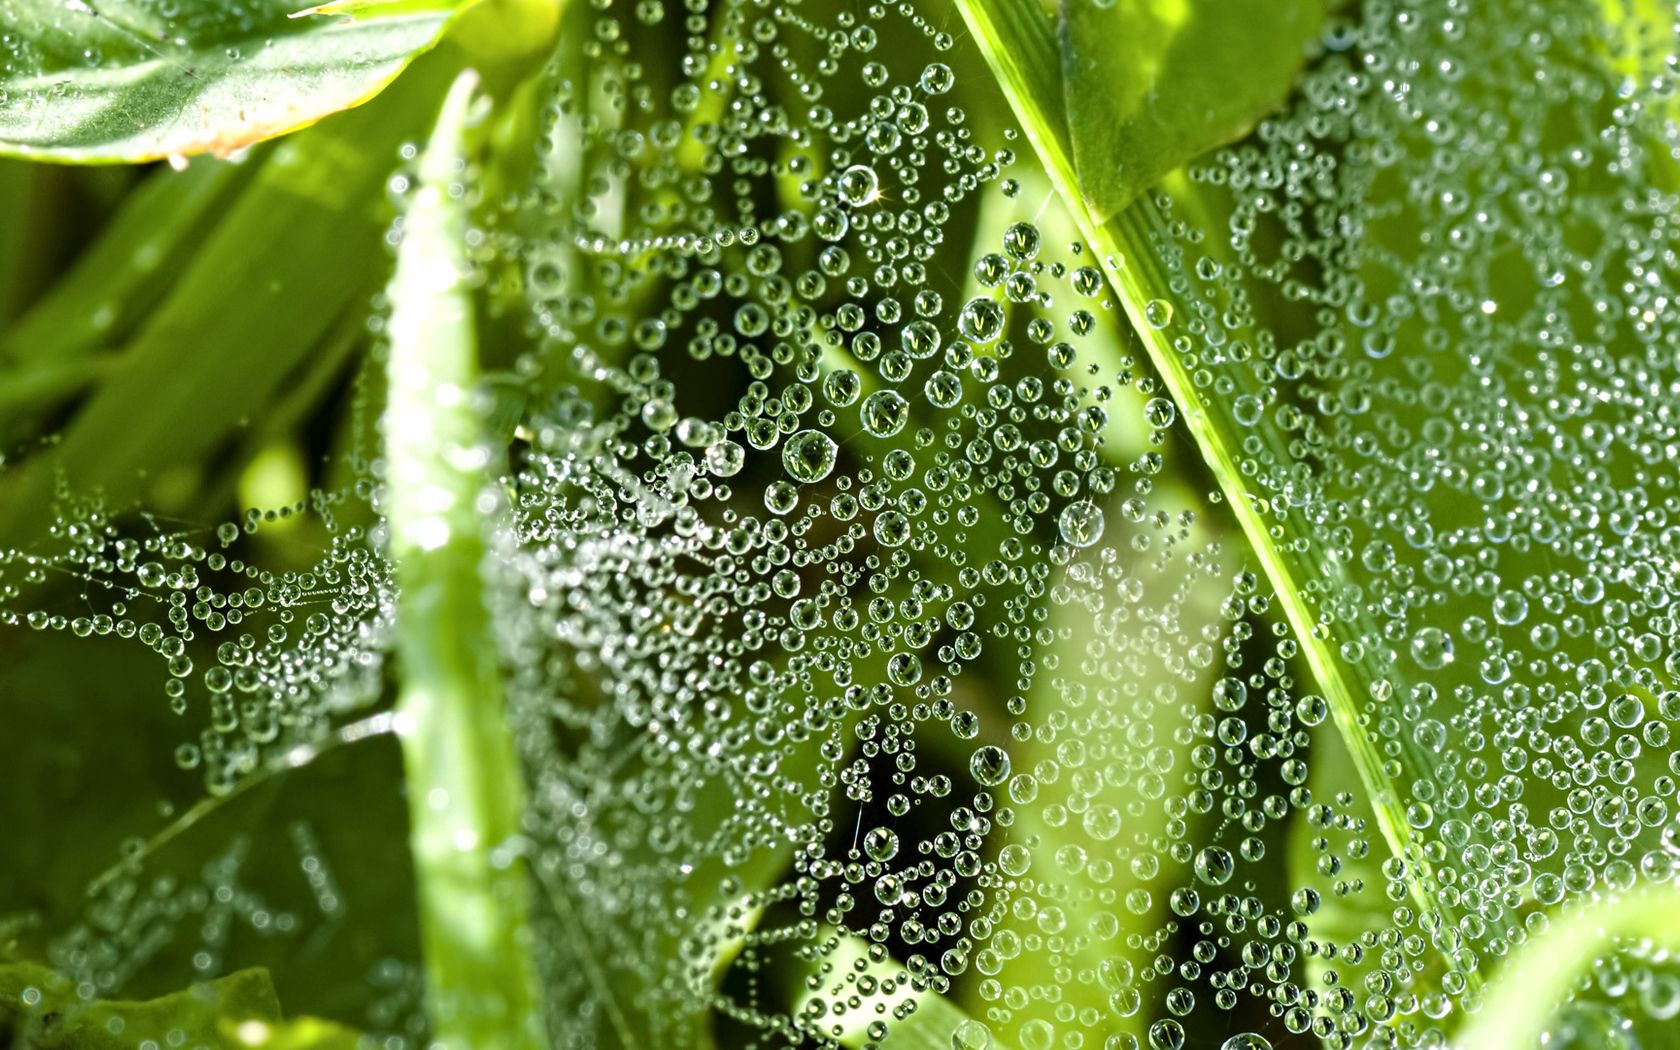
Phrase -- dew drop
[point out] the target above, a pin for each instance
(884, 413)
(981, 320)
(1432, 648)
(1159, 413)
(1158, 313)
(1214, 865)
(808, 456)
(989, 765)
(1081, 523)
(859, 185)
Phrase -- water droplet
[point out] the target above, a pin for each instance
(859, 185)
(1159, 413)
(971, 1035)
(1214, 865)
(1081, 523)
(981, 320)
(808, 456)
(880, 844)
(884, 413)
(1021, 240)
(1432, 648)
(989, 765)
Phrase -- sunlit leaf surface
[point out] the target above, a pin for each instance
(125, 80)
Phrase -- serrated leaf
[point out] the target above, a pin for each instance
(116, 82)
(1150, 84)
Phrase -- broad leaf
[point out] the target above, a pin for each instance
(116, 81)
(1152, 83)
(1318, 340)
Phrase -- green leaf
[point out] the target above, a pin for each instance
(17, 183)
(53, 351)
(1152, 83)
(1521, 1002)
(213, 77)
(45, 1009)
(1286, 452)
(830, 1007)
(140, 252)
(1327, 856)
(1107, 701)
(465, 789)
(1129, 247)
(203, 363)
(42, 1008)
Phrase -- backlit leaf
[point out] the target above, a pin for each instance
(1152, 83)
(117, 81)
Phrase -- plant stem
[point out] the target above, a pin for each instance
(464, 786)
(1020, 47)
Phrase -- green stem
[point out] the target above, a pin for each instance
(464, 786)
(1019, 44)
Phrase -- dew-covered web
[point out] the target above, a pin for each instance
(874, 632)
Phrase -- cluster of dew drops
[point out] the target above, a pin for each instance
(875, 657)
(862, 641)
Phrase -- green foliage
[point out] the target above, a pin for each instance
(215, 78)
(1151, 84)
(40, 1008)
(324, 186)
(463, 774)
(1324, 829)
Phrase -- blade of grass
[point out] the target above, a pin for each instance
(1519, 1003)
(1019, 44)
(1080, 685)
(465, 790)
(205, 362)
(16, 182)
(140, 252)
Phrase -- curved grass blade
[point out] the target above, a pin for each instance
(465, 791)
(1519, 1004)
